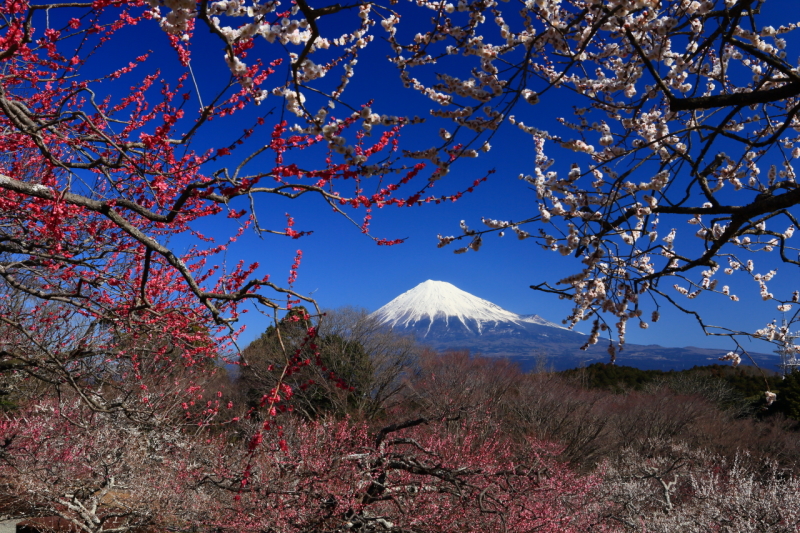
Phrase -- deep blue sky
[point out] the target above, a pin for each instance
(343, 267)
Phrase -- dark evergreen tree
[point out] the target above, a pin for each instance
(788, 396)
(328, 373)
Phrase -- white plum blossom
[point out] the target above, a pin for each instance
(770, 397)
(733, 357)
(530, 96)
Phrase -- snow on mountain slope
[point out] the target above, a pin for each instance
(437, 302)
(536, 319)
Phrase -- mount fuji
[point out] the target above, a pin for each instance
(436, 309)
(444, 317)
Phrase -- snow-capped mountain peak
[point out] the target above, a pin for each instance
(438, 302)
(432, 300)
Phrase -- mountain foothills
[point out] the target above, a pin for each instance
(441, 315)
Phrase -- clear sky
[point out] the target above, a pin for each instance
(342, 267)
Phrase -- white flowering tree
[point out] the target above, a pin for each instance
(675, 488)
(679, 155)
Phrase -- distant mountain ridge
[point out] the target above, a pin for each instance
(445, 317)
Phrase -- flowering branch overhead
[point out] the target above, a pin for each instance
(660, 88)
(107, 170)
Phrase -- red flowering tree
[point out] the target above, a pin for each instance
(113, 305)
(106, 166)
(420, 475)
